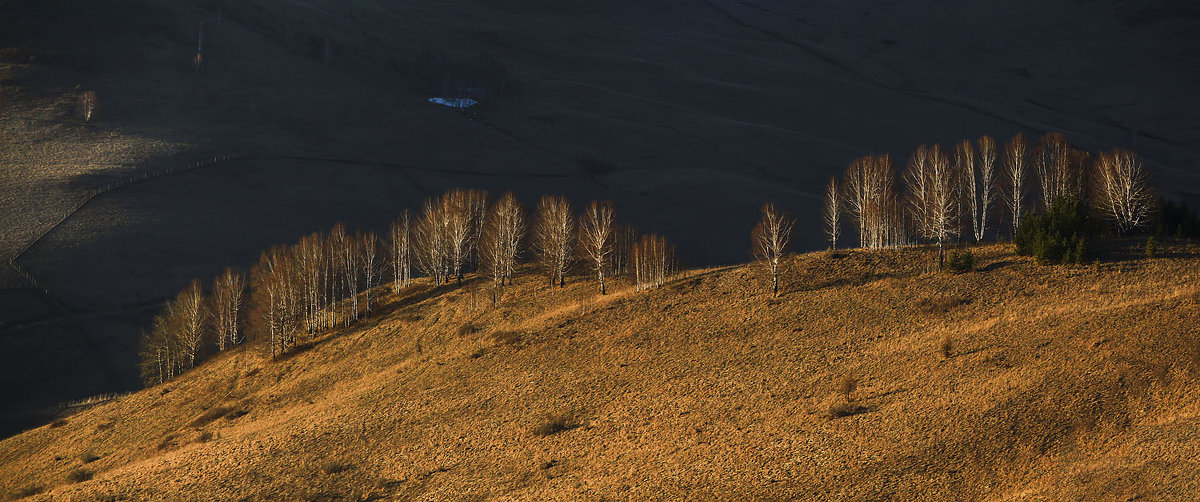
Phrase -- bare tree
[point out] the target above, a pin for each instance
(624, 238)
(401, 250)
(158, 353)
(933, 190)
(477, 212)
(918, 182)
(1015, 169)
(432, 255)
(871, 200)
(351, 249)
(831, 212)
(596, 232)
(944, 204)
(228, 290)
(86, 105)
(770, 241)
(276, 300)
(553, 236)
(1122, 193)
(309, 259)
(501, 241)
(338, 290)
(189, 307)
(985, 179)
(860, 193)
(964, 164)
(510, 217)
(458, 228)
(653, 262)
(1058, 167)
(368, 245)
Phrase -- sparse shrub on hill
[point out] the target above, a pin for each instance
(770, 240)
(961, 261)
(1057, 236)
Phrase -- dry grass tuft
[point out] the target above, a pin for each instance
(236, 414)
(506, 337)
(554, 424)
(28, 491)
(204, 437)
(334, 467)
(940, 305)
(80, 475)
(840, 408)
(467, 329)
(88, 457)
(947, 347)
(210, 415)
(167, 441)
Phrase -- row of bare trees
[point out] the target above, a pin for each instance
(327, 280)
(178, 336)
(941, 196)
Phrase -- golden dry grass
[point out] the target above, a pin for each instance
(1064, 383)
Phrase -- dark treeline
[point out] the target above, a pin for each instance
(329, 280)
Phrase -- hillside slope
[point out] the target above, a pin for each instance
(657, 105)
(1062, 383)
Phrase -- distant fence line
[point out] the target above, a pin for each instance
(115, 185)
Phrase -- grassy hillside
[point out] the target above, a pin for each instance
(655, 105)
(1060, 383)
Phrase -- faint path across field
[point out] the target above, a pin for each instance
(92, 194)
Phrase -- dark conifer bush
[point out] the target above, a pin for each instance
(961, 262)
(1058, 236)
